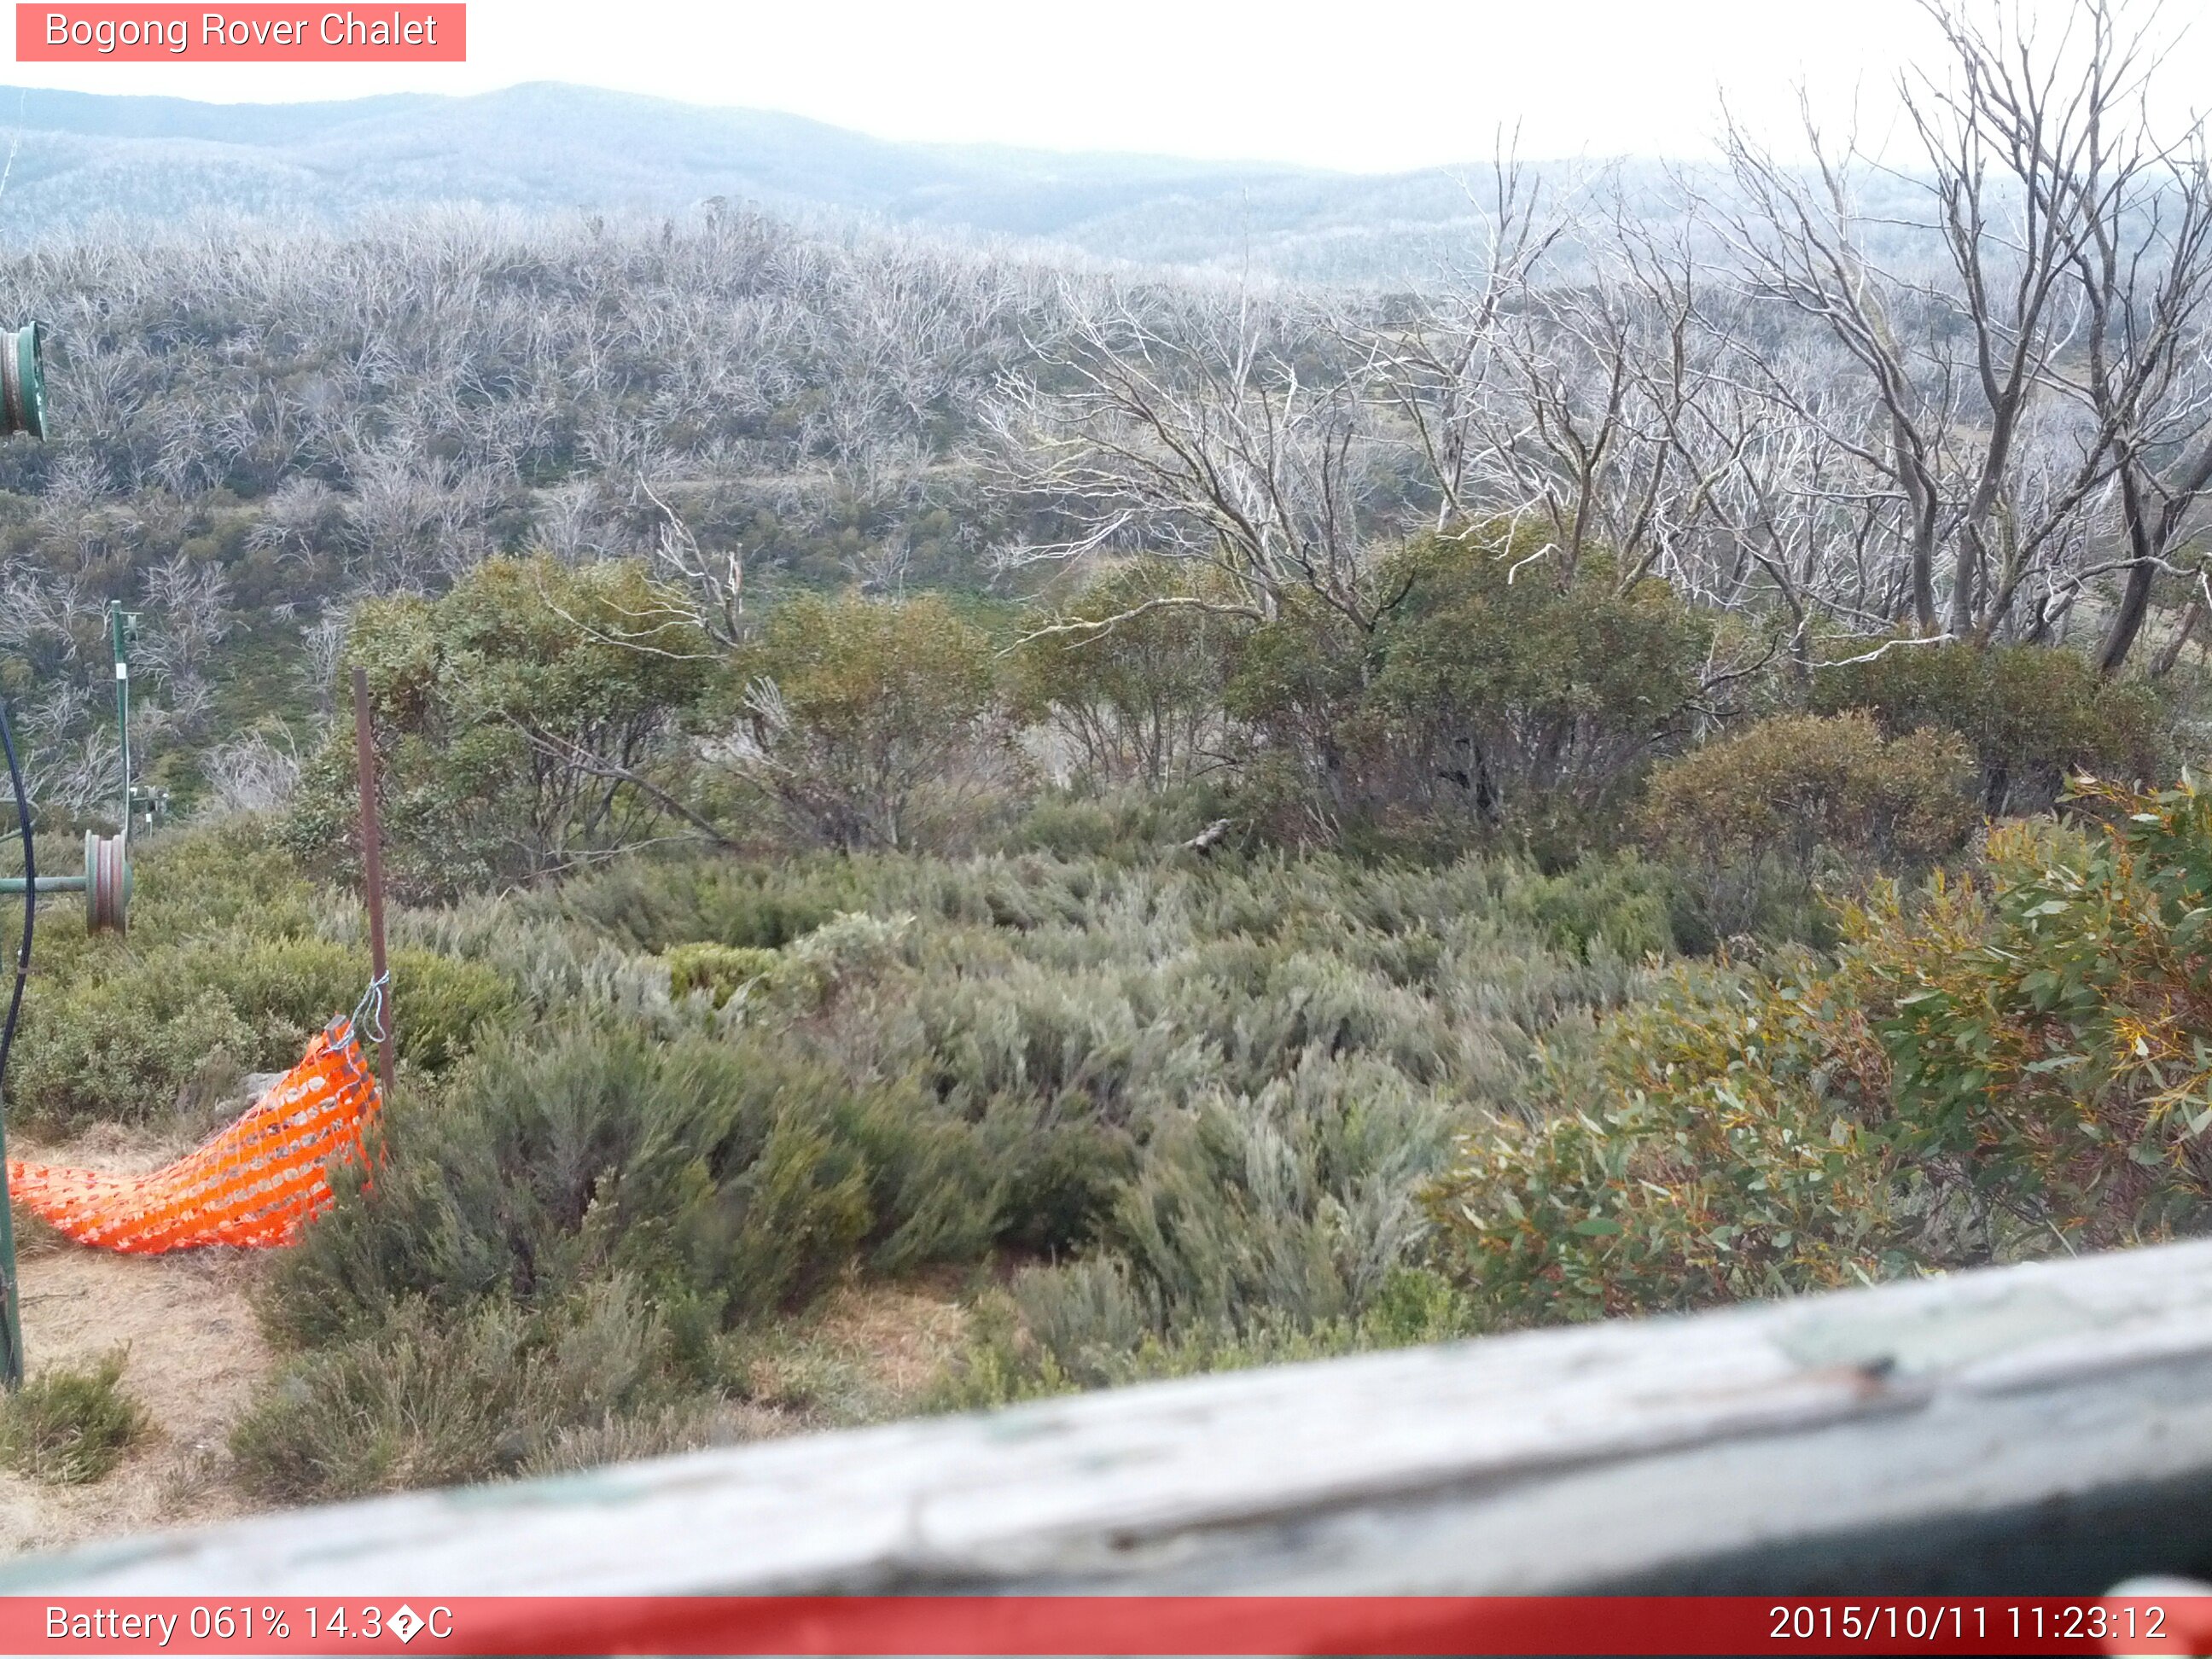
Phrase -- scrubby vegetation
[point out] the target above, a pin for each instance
(71, 1426)
(935, 980)
(1190, 828)
(1188, 1108)
(1996, 1065)
(1765, 811)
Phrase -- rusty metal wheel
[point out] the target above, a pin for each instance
(107, 884)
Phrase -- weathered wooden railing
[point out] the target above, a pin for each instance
(2045, 1428)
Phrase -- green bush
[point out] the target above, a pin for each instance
(442, 1007)
(129, 1024)
(723, 970)
(872, 725)
(71, 1426)
(434, 1399)
(1296, 1204)
(1987, 1069)
(1493, 694)
(116, 1029)
(1131, 674)
(651, 904)
(1720, 1148)
(1787, 793)
(2032, 715)
(1621, 905)
(1123, 826)
(730, 1178)
(208, 878)
(124, 1048)
(1317, 761)
(1520, 693)
(1083, 1325)
(524, 722)
(2044, 1027)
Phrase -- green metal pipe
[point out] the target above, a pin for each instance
(15, 884)
(23, 408)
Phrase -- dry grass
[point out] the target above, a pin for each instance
(196, 1358)
(866, 1353)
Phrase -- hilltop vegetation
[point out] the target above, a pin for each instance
(85, 158)
(1193, 825)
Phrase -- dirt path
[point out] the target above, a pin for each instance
(195, 1355)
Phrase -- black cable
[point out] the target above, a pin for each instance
(11, 1341)
(30, 894)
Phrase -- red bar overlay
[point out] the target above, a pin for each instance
(1103, 1625)
(303, 34)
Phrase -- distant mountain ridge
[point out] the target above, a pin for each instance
(548, 146)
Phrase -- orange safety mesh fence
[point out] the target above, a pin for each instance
(255, 1183)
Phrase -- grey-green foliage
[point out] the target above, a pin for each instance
(728, 1177)
(1198, 1097)
(1087, 1324)
(1227, 1083)
(427, 1398)
(1232, 1077)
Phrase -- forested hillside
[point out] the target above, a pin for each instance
(1163, 822)
(80, 158)
(255, 430)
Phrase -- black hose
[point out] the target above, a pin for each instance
(11, 1329)
(30, 896)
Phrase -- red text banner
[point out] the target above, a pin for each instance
(1079, 1624)
(124, 33)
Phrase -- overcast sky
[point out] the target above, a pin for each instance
(1369, 88)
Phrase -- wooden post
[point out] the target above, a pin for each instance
(2047, 1426)
(372, 863)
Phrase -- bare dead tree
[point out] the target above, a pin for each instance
(1205, 429)
(1619, 423)
(1440, 369)
(2142, 268)
(714, 582)
(191, 616)
(252, 773)
(2037, 363)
